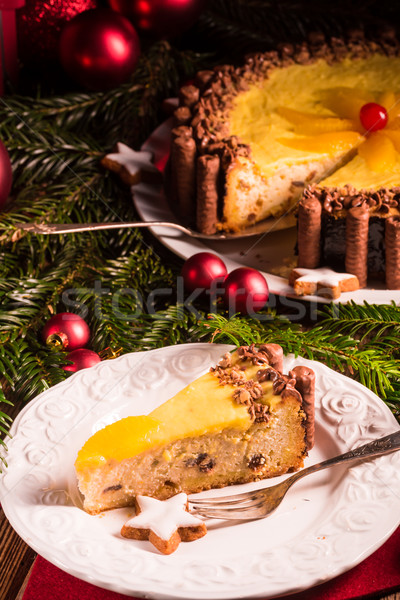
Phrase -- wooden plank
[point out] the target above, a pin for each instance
(16, 559)
(24, 584)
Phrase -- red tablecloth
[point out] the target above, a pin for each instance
(380, 571)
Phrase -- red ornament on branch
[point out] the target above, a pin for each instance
(8, 46)
(66, 331)
(99, 49)
(39, 25)
(5, 175)
(201, 270)
(82, 358)
(246, 291)
(160, 18)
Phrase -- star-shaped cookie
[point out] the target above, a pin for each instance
(165, 523)
(324, 282)
(133, 167)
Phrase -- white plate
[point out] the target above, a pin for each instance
(268, 253)
(327, 524)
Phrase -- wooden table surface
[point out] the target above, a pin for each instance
(16, 561)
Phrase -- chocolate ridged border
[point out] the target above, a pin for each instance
(300, 383)
(355, 207)
(209, 99)
(335, 200)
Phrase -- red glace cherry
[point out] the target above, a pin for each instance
(373, 116)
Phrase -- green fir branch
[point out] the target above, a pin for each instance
(362, 320)
(240, 330)
(127, 113)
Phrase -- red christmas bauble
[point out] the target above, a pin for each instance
(39, 24)
(201, 269)
(99, 49)
(82, 358)
(66, 331)
(5, 175)
(246, 291)
(160, 18)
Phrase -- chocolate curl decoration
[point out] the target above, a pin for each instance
(182, 116)
(305, 384)
(309, 233)
(181, 131)
(274, 354)
(207, 193)
(203, 78)
(183, 158)
(8, 43)
(392, 242)
(357, 226)
(189, 95)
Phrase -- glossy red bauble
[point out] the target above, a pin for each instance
(82, 358)
(39, 24)
(201, 270)
(99, 49)
(66, 331)
(246, 291)
(160, 18)
(373, 116)
(5, 175)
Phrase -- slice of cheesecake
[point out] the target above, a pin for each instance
(242, 421)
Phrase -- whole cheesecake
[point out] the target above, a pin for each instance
(247, 141)
(242, 421)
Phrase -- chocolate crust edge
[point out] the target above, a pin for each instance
(355, 207)
(299, 383)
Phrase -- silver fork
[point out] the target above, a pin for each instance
(262, 502)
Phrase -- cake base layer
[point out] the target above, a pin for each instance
(195, 464)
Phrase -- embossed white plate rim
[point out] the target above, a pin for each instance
(348, 414)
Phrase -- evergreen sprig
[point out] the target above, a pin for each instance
(127, 113)
(367, 321)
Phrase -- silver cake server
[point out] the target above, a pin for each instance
(266, 226)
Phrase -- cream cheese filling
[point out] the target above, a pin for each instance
(255, 118)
